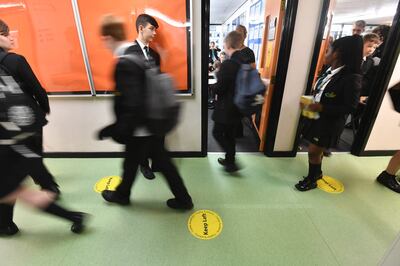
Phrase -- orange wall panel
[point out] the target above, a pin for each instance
(171, 40)
(46, 35)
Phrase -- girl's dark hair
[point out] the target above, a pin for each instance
(350, 49)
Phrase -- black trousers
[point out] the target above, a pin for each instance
(225, 135)
(37, 170)
(6, 214)
(154, 166)
(140, 148)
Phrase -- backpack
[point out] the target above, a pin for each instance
(161, 105)
(249, 90)
(20, 115)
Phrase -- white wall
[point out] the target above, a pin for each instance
(385, 134)
(305, 31)
(245, 8)
(73, 121)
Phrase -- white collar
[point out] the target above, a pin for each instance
(142, 45)
(335, 71)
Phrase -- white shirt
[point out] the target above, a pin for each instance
(325, 81)
(142, 45)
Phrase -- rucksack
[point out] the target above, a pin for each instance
(161, 105)
(20, 116)
(249, 90)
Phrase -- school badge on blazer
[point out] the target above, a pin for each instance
(330, 95)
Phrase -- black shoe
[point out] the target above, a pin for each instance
(147, 173)
(113, 196)
(307, 183)
(327, 153)
(9, 230)
(228, 167)
(79, 225)
(178, 205)
(389, 181)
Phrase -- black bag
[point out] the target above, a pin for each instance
(20, 115)
(394, 93)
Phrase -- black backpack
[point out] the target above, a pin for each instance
(20, 115)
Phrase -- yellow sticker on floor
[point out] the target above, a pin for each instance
(330, 185)
(205, 224)
(107, 183)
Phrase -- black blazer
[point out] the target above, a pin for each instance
(225, 111)
(135, 49)
(129, 103)
(368, 70)
(339, 98)
(20, 69)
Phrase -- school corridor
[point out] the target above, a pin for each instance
(265, 220)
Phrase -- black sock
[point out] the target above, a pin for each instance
(59, 211)
(6, 214)
(314, 171)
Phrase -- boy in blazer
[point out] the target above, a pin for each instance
(226, 116)
(147, 53)
(336, 95)
(129, 107)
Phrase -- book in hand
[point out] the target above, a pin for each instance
(307, 100)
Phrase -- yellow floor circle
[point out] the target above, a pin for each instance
(107, 183)
(330, 185)
(205, 224)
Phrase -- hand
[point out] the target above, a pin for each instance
(315, 107)
(105, 132)
(363, 99)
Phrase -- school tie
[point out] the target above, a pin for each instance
(318, 85)
(146, 50)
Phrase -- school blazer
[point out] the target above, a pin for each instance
(339, 98)
(225, 111)
(135, 49)
(20, 69)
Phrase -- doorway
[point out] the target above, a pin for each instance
(356, 17)
(225, 16)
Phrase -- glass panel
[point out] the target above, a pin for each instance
(172, 40)
(46, 35)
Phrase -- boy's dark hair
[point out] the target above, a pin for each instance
(360, 23)
(144, 19)
(350, 49)
(4, 29)
(234, 39)
(113, 26)
(382, 31)
(371, 37)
